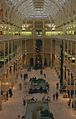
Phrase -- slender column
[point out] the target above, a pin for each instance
(11, 50)
(11, 62)
(25, 45)
(70, 54)
(67, 48)
(61, 64)
(33, 45)
(8, 60)
(43, 46)
(21, 48)
(8, 51)
(69, 64)
(64, 72)
(71, 47)
(17, 56)
(25, 53)
(75, 77)
(4, 55)
(51, 53)
(4, 69)
(75, 59)
(68, 67)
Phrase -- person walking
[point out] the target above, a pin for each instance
(69, 103)
(57, 95)
(57, 85)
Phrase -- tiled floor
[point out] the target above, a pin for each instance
(14, 107)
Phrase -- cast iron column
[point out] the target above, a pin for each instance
(61, 65)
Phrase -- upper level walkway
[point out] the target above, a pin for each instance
(14, 106)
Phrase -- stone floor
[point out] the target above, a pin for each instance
(14, 107)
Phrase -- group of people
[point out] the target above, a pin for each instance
(42, 73)
(55, 96)
(7, 94)
(72, 103)
(24, 76)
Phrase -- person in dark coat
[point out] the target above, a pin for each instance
(57, 95)
(69, 103)
(53, 96)
(20, 86)
(7, 95)
(19, 117)
(57, 85)
(10, 92)
(21, 76)
(24, 102)
(44, 75)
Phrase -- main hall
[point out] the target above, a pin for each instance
(37, 59)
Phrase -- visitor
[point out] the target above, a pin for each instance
(41, 72)
(24, 102)
(57, 85)
(57, 95)
(53, 96)
(6, 95)
(19, 117)
(21, 76)
(10, 92)
(24, 76)
(20, 86)
(23, 117)
(44, 75)
(69, 103)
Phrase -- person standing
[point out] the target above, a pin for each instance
(44, 75)
(21, 75)
(41, 71)
(10, 92)
(53, 96)
(20, 86)
(19, 117)
(24, 77)
(24, 102)
(7, 95)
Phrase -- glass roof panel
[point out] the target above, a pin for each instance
(36, 8)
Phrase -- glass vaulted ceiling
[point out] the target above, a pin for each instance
(37, 8)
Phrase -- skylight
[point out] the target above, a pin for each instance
(37, 8)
